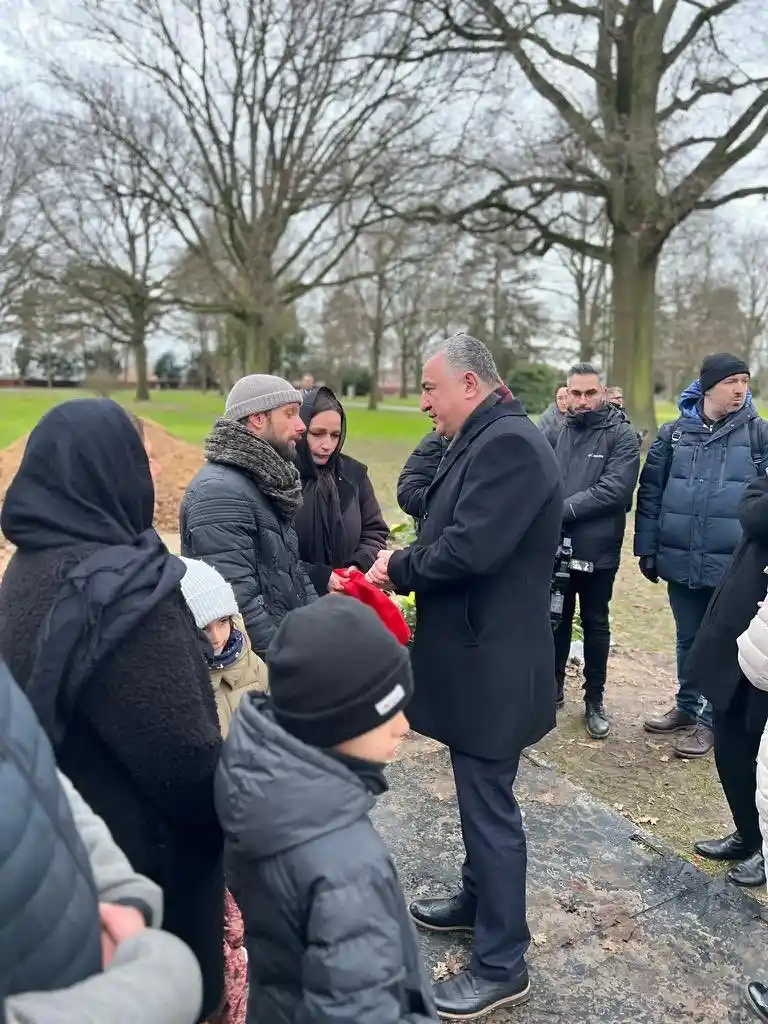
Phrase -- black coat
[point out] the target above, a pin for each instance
(599, 459)
(713, 659)
(326, 926)
(141, 747)
(483, 655)
(361, 532)
(228, 522)
(50, 936)
(418, 473)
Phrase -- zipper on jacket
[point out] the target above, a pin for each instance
(723, 459)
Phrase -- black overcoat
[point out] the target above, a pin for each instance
(483, 655)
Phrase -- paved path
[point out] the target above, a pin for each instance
(623, 930)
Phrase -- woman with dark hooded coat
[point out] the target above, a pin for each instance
(340, 522)
(740, 710)
(94, 627)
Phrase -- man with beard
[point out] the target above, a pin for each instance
(238, 512)
(483, 651)
(599, 459)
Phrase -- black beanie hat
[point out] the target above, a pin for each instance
(335, 672)
(719, 366)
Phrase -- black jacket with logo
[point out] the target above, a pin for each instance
(599, 459)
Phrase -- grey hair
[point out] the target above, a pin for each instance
(584, 370)
(467, 355)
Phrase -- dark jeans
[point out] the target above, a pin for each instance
(594, 591)
(736, 747)
(495, 866)
(688, 608)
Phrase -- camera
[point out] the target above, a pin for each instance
(565, 564)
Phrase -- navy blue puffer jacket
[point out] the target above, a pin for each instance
(50, 936)
(690, 489)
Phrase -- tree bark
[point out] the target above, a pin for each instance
(404, 367)
(634, 313)
(139, 349)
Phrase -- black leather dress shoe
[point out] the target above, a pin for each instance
(732, 847)
(757, 999)
(454, 914)
(467, 997)
(750, 872)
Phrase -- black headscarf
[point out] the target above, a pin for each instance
(319, 523)
(84, 479)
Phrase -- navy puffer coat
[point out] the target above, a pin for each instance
(690, 489)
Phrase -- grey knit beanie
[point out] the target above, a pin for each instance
(261, 392)
(207, 593)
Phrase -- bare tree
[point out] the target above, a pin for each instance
(292, 131)
(18, 212)
(590, 280)
(110, 242)
(643, 79)
(713, 292)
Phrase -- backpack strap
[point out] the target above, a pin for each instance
(755, 442)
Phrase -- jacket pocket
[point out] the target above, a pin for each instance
(468, 621)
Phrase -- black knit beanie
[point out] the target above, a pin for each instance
(719, 366)
(335, 672)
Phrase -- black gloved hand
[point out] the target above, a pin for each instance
(648, 568)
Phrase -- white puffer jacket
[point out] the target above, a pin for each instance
(753, 662)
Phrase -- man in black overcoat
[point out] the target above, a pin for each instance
(483, 656)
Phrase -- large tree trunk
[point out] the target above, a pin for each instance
(634, 312)
(142, 382)
(404, 354)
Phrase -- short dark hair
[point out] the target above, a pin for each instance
(583, 370)
(560, 386)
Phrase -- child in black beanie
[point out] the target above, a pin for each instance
(327, 930)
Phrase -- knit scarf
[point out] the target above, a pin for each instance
(233, 444)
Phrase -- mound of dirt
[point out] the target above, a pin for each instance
(178, 462)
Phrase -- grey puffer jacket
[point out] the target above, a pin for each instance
(50, 936)
(326, 926)
(228, 522)
(551, 422)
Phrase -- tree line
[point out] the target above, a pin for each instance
(214, 169)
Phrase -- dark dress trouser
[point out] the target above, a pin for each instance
(494, 870)
(738, 731)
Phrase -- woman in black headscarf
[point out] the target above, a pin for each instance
(94, 627)
(340, 522)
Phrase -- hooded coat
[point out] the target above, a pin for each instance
(96, 631)
(340, 525)
(713, 659)
(326, 926)
(690, 488)
(599, 459)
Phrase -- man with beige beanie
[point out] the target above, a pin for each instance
(238, 512)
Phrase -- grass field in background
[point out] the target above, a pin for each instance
(189, 415)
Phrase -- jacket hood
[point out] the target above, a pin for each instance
(689, 403)
(274, 792)
(304, 461)
(596, 419)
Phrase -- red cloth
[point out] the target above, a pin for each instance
(356, 585)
